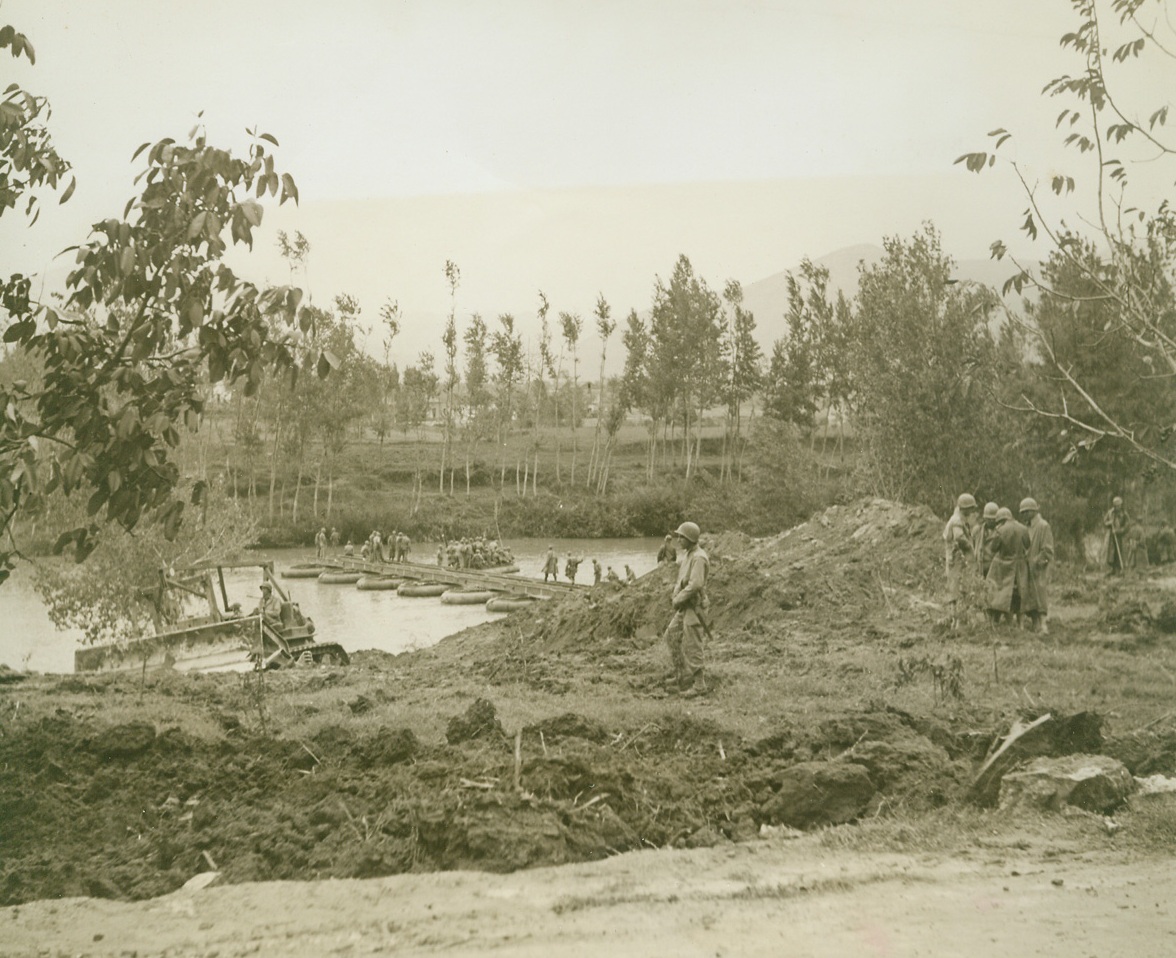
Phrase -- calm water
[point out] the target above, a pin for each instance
(342, 613)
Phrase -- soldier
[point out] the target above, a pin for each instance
(985, 537)
(1116, 521)
(630, 575)
(687, 627)
(958, 541)
(596, 572)
(571, 565)
(666, 553)
(550, 565)
(611, 576)
(1008, 572)
(334, 538)
(320, 543)
(270, 606)
(1035, 602)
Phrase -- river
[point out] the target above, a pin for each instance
(357, 620)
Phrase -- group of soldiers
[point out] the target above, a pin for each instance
(476, 553)
(572, 567)
(1010, 558)
(394, 547)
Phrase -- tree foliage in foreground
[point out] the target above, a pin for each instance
(104, 597)
(152, 313)
(1110, 234)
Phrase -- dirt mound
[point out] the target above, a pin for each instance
(874, 556)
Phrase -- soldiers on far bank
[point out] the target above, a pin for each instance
(320, 543)
(1116, 522)
(667, 553)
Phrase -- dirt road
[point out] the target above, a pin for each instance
(771, 897)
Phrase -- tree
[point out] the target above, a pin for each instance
(296, 252)
(389, 378)
(29, 161)
(477, 398)
(742, 359)
(685, 358)
(1130, 225)
(417, 390)
(545, 365)
(636, 383)
(449, 341)
(571, 325)
(507, 348)
(104, 597)
(605, 325)
(924, 374)
(152, 313)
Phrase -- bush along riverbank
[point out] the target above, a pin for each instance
(638, 510)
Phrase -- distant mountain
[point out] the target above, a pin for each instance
(768, 298)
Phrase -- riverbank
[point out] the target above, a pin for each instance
(548, 738)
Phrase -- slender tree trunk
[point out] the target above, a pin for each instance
(318, 477)
(330, 487)
(273, 472)
(297, 490)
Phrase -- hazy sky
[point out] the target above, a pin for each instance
(573, 147)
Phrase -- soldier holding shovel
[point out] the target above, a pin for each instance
(1116, 522)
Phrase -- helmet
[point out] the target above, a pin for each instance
(966, 501)
(1003, 514)
(266, 587)
(1028, 505)
(990, 509)
(688, 530)
(1116, 501)
(668, 537)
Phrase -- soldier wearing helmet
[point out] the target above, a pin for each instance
(1035, 601)
(667, 553)
(959, 551)
(1008, 572)
(1116, 522)
(687, 628)
(985, 537)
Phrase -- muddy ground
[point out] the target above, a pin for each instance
(839, 700)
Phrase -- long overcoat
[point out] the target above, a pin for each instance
(1041, 552)
(1009, 568)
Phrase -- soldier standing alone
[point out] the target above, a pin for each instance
(686, 631)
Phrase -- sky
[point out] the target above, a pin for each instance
(577, 148)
